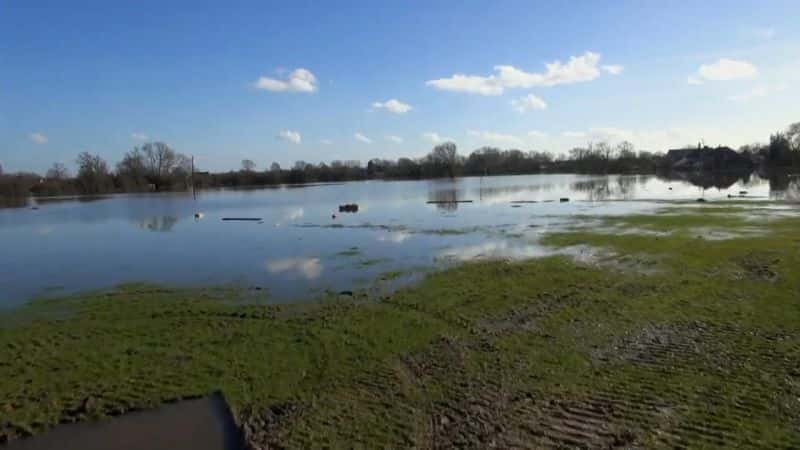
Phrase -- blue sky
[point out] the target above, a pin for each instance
(318, 81)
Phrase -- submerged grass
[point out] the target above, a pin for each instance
(547, 353)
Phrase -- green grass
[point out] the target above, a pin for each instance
(701, 352)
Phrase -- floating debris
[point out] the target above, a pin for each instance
(564, 200)
(515, 202)
(243, 219)
(348, 208)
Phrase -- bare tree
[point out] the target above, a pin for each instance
(248, 165)
(275, 167)
(626, 150)
(93, 176)
(57, 172)
(159, 161)
(445, 155)
(132, 171)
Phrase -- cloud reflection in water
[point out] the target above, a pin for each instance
(308, 268)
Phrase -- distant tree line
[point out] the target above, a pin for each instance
(155, 167)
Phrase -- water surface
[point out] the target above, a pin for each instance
(302, 245)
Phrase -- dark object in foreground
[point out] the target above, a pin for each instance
(246, 219)
(204, 423)
(701, 200)
(564, 200)
(348, 208)
(523, 201)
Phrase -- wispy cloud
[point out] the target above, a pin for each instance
(537, 134)
(299, 80)
(759, 91)
(574, 134)
(361, 138)
(528, 103)
(289, 136)
(326, 142)
(493, 137)
(139, 136)
(395, 139)
(435, 138)
(38, 138)
(763, 33)
(578, 69)
(393, 106)
(613, 69)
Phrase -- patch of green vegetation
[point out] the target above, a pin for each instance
(352, 251)
(677, 222)
(547, 353)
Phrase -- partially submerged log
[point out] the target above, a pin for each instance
(243, 219)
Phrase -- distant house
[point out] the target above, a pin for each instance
(707, 159)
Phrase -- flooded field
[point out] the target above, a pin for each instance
(299, 244)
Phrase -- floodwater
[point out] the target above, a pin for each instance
(302, 245)
(201, 424)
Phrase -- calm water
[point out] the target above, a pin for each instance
(298, 248)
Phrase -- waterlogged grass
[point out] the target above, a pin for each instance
(702, 353)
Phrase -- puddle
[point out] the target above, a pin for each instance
(199, 424)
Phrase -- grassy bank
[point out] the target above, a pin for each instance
(701, 349)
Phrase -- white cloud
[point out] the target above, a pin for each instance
(691, 79)
(490, 136)
(299, 80)
(726, 70)
(473, 84)
(289, 136)
(574, 134)
(528, 103)
(326, 142)
(38, 138)
(361, 138)
(435, 138)
(537, 134)
(309, 268)
(613, 69)
(139, 136)
(393, 106)
(579, 69)
(395, 139)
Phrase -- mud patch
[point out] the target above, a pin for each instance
(758, 266)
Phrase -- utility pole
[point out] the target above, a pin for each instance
(194, 192)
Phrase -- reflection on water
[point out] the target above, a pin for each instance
(607, 188)
(13, 202)
(446, 194)
(298, 247)
(308, 268)
(158, 223)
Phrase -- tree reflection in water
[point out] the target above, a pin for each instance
(161, 224)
